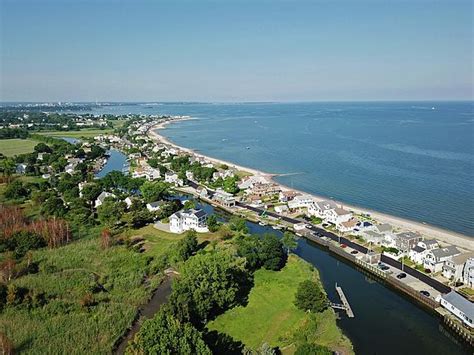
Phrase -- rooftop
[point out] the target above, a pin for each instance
(460, 303)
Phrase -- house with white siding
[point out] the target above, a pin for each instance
(300, 201)
(468, 273)
(188, 220)
(435, 258)
(459, 306)
(320, 208)
(453, 268)
(337, 216)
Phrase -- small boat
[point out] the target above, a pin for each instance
(263, 224)
(247, 147)
(276, 227)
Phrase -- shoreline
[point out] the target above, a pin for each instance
(427, 230)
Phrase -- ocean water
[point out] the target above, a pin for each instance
(409, 159)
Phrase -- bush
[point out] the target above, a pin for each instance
(312, 349)
(310, 297)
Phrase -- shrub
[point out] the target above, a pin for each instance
(312, 349)
(310, 297)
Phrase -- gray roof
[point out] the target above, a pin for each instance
(460, 303)
(384, 227)
(156, 203)
(430, 242)
(418, 249)
(374, 234)
(408, 235)
(199, 213)
(444, 252)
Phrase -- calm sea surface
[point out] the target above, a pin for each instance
(409, 159)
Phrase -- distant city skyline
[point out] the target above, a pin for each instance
(235, 51)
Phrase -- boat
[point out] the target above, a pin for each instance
(247, 148)
(262, 224)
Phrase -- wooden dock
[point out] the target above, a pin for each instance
(345, 302)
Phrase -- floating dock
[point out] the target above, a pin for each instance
(345, 302)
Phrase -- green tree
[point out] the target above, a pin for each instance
(163, 334)
(212, 223)
(42, 148)
(312, 349)
(16, 190)
(154, 190)
(186, 246)
(8, 167)
(310, 297)
(271, 253)
(289, 241)
(238, 224)
(189, 204)
(53, 206)
(110, 211)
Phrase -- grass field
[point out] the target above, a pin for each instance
(270, 315)
(86, 133)
(10, 147)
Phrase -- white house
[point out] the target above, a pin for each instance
(348, 226)
(468, 273)
(429, 244)
(21, 168)
(417, 254)
(435, 258)
(300, 201)
(100, 199)
(248, 182)
(128, 201)
(320, 209)
(188, 220)
(285, 196)
(338, 216)
(154, 206)
(453, 268)
(173, 178)
(281, 208)
(374, 237)
(459, 306)
(189, 175)
(224, 198)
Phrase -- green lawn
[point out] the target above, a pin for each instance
(10, 147)
(86, 133)
(270, 315)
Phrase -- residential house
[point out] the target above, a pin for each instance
(374, 237)
(348, 226)
(320, 209)
(453, 268)
(21, 168)
(337, 216)
(281, 208)
(285, 196)
(417, 254)
(100, 199)
(188, 220)
(224, 198)
(129, 202)
(189, 175)
(364, 227)
(265, 189)
(383, 228)
(468, 273)
(154, 206)
(406, 240)
(203, 192)
(435, 258)
(459, 306)
(300, 201)
(173, 178)
(249, 181)
(429, 244)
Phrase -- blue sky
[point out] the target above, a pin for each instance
(73, 50)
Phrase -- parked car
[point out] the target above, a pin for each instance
(343, 246)
(354, 252)
(425, 293)
(428, 271)
(383, 267)
(401, 275)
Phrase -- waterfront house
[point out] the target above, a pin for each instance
(203, 192)
(417, 254)
(453, 268)
(435, 258)
(249, 181)
(468, 273)
(285, 196)
(459, 306)
(321, 208)
(429, 244)
(374, 237)
(224, 198)
(154, 206)
(101, 198)
(281, 208)
(189, 175)
(173, 178)
(363, 227)
(406, 240)
(265, 189)
(300, 201)
(348, 226)
(383, 228)
(188, 220)
(337, 216)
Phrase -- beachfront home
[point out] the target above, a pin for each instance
(265, 189)
(417, 254)
(249, 181)
(101, 198)
(281, 208)
(383, 228)
(407, 240)
(468, 273)
(285, 196)
(374, 237)
(435, 258)
(300, 201)
(188, 220)
(154, 206)
(320, 209)
(453, 268)
(429, 244)
(203, 192)
(462, 308)
(348, 226)
(222, 174)
(337, 216)
(224, 198)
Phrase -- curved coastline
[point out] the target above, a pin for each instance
(426, 230)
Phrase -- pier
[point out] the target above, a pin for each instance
(345, 303)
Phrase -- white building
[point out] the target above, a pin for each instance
(417, 254)
(468, 273)
(338, 215)
(459, 306)
(348, 226)
(224, 198)
(154, 206)
(453, 268)
(128, 201)
(100, 199)
(300, 201)
(281, 208)
(173, 178)
(248, 182)
(320, 209)
(435, 258)
(188, 220)
(429, 244)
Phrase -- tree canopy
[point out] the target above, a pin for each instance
(310, 297)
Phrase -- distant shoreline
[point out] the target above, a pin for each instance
(427, 230)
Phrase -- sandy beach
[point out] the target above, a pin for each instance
(428, 231)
